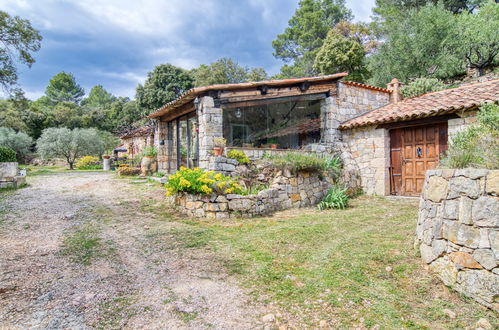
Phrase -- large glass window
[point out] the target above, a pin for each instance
(290, 125)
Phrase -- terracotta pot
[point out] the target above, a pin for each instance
(217, 151)
(273, 146)
(106, 156)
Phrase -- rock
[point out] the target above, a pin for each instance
(322, 324)
(484, 324)
(492, 187)
(463, 186)
(68, 216)
(486, 258)
(465, 207)
(388, 269)
(468, 236)
(482, 285)
(494, 242)
(464, 260)
(485, 211)
(445, 270)
(269, 318)
(449, 313)
(437, 189)
(450, 230)
(451, 209)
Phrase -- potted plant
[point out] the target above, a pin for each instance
(273, 143)
(148, 163)
(219, 143)
(106, 157)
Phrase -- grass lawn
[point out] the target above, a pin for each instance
(32, 170)
(350, 268)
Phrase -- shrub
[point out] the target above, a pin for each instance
(239, 156)
(128, 171)
(149, 152)
(7, 155)
(88, 163)
(220, 142)
(421, 86)
(336, 198)
(18, 141)
(295, 161)
(333, 166)
(477, 145)
(199, 181)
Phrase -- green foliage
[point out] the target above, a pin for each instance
(477, 37)
(82, 246)
(18, 141)
(199, 181)
(239, 156)
(338, 54)
(18, 40)
(306, 32)
(417, 46)
(334, 165)
(421, 86)
(64, 88)
(149, 152)
(336, 198)
(98, 97)
(109, 140)
(69, 144)
(88, 163)
(297, 161)
(7, 155)
(164, 84)
(477, 145)
(225, 71)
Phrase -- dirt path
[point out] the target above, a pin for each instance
(82, 251)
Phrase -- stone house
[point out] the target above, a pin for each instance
(369, 126)
(134, 141)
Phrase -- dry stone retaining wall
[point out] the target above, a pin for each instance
(287, 191)
(458, 230)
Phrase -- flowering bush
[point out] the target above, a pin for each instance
(128, 171)
(87, 163)
(239, 156)
(198, 181)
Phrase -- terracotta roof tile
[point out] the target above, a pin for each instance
(141, 131)
(430, 104)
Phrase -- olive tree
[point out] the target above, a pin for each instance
(69, 144)
(18, 141)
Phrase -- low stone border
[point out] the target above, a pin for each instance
(9, 175)
(458, 231)
(287, 191)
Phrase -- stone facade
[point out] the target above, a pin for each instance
(210, 127)
(458, 231)
(366, 159)
(458, 124)
(287, 191)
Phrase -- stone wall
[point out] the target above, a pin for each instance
(366, 158)
(458, 124)
(9, 175)
(210, 127)
(287, 191)
(458, 231)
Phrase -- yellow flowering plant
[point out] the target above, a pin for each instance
(199, 181)
(239, 156)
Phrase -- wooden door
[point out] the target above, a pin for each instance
(413, 151)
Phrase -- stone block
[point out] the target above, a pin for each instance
(494, 242)
(486, 258)
(450, 230)
(450, 209)
(463, 186)
(8, 171)
(199, 213)
(295, 197)
(492, 183)
(484, 239)
(223, 215)
(485, 212)
(465, 207)
(481, 285)
(445, 270)
(437, 189)
(468, 236)
(464, 260)
(213, 207)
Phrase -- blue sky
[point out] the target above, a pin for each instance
(116, 42)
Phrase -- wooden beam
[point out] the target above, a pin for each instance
(228, 104)
(180, 111)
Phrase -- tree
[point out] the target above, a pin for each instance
(63, 88)
(223, 71)
(420, 86)
(306, 32)
(343, 51)
(164, 84)
(109, 140)
(18, 40)
(18, 141)
(417, 47)
(69, 144)
(257, 74)
(477, 37)
(98, 97)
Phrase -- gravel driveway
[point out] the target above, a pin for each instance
(136, 275)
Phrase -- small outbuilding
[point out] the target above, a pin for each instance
(134, 141)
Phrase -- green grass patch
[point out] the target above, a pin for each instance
(83, 245)
(332, 265)
(114, 312)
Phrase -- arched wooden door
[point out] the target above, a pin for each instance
(413, 151)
